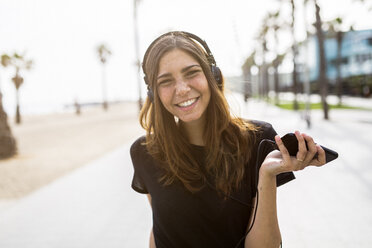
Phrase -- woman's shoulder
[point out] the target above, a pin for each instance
(259, 124)
(141, 158)
(138, 146)
(263, 129)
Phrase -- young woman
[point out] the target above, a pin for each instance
(197, 163)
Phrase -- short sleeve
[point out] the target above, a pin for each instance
(138, 185)
(137, 153)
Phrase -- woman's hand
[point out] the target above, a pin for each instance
(277, 162)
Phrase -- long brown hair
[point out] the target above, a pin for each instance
(228, 140)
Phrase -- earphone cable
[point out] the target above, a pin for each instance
(256, 184)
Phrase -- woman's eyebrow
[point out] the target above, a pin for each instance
(189, 67)
(164, 75)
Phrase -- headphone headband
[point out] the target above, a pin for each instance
(210, 56)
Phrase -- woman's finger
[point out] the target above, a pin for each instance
(311, 149)
(282, 149)
(321, 159)
(302, 151)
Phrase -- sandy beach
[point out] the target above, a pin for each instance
(50, 146)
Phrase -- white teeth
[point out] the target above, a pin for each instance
(187, 103)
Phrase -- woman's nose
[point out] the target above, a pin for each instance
(182, 87)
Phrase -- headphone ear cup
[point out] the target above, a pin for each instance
(150, 94)
(145, 79)
(217, 75)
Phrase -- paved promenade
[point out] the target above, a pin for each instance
(94, 207)
(329, 206)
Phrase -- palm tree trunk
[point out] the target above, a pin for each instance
(262, 81)
(276, 85)
(8, 145)
(264, 73)
(338, 65)
(294, 79)
(18, 114)
(323, 81)
(294, 51)
(266, 81)
(247, 84)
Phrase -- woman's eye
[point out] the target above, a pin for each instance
(164, 82)
(192, 73)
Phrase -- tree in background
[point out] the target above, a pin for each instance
(323, 80)
(294, 53)
(294, 46)
(275, 63)
(103, 54)
(8, 145)
(246, 67)
(19, 62)
(272, 24)
(275, 25)
(262, 39)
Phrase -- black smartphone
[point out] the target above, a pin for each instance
(291, 143)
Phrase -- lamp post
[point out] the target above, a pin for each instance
(136, 44)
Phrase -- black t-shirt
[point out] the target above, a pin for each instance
(205, 218)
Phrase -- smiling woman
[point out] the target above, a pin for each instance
(197, 163)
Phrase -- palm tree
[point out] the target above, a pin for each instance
(275, 27)
(323, 81)
(246, 67)
(103, 54)
(262, 38)
(8, 146)
(294, 49)
(306, 82)
(19, 62)
(276, 62)
(294, 52)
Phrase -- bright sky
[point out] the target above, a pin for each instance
(61, 37)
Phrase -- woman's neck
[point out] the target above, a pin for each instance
(195, 131)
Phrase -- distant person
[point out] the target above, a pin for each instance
(197, 163)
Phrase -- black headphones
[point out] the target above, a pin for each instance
(216, 72)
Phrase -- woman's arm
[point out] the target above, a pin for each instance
(265, 231)
(152, 240)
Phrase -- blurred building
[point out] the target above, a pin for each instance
(355, 66)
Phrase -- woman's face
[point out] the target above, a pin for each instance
(182, 86)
